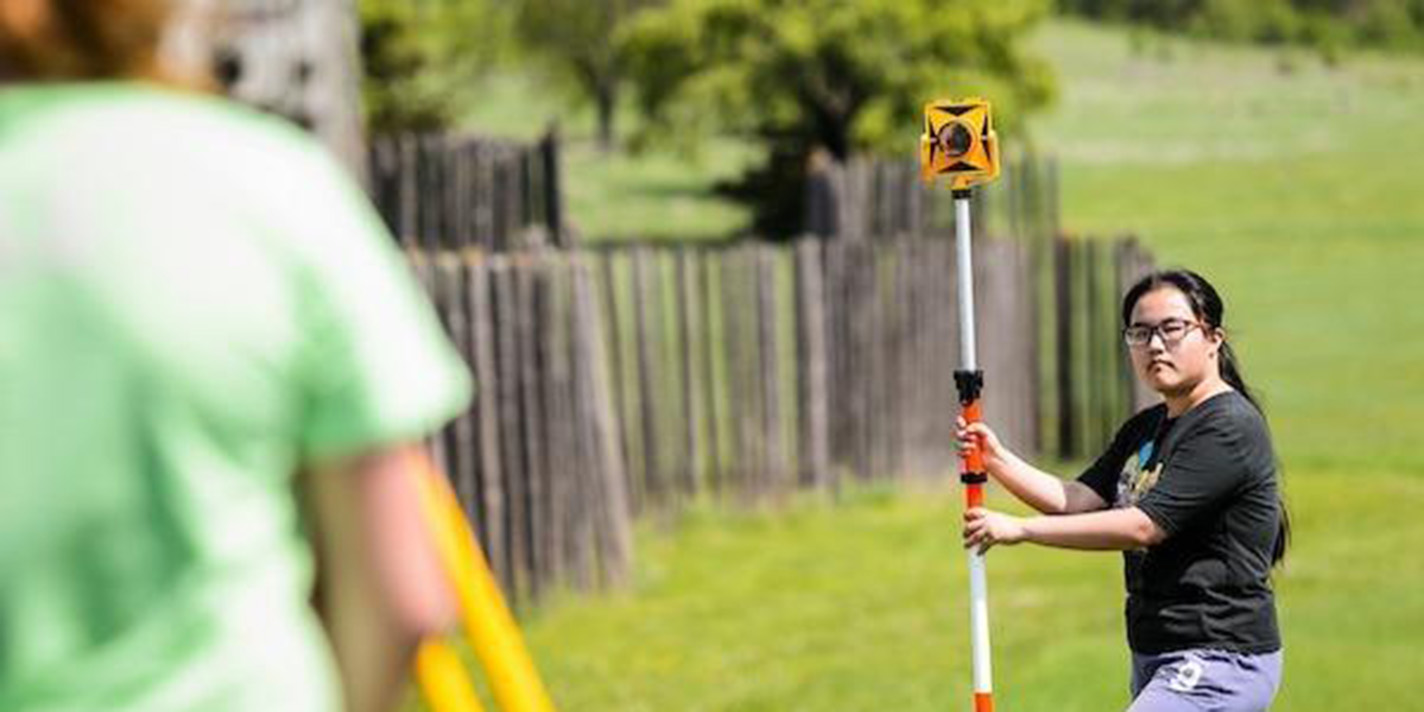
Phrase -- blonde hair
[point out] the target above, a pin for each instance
(57, 40)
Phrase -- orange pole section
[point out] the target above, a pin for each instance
(973, 462)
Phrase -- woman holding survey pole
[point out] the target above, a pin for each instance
(1188, 491)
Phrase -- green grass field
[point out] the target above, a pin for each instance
(861, 606)
(1297, 194)
(1295, 188)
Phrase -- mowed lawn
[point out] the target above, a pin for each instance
(1299, 190)
(861, 606)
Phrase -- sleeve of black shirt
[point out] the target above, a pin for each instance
(1200, 471)
(1102, 476)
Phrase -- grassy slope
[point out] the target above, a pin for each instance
(1297, 195)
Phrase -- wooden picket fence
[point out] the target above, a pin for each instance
(874, 197)
(450, 191)
(535, 461)
(633, 379)
(1077, 283)
(1091, 386)
(753, 370)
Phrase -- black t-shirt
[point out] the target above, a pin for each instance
(1208, 480)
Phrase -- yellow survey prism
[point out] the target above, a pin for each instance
(959, 143)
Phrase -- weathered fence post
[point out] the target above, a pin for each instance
(599, 430)
(689, 326)
(814, 456)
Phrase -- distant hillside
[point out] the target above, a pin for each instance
(1329, 25)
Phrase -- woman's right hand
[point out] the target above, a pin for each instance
(979, 437)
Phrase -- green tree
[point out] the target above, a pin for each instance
(840, 76)
(418, 57)
(575, 38)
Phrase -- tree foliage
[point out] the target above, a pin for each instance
(843, 75)
(838, 77)
(575, 37)
(417, 56)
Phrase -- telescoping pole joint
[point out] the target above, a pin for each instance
(970, 385)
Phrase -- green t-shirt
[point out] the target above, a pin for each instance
(194, 299)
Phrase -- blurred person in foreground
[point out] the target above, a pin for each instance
(214, 372)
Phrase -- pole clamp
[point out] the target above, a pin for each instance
(970, 385)
(961, 193)
(973, 478)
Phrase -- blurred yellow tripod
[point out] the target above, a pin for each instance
(493, 635)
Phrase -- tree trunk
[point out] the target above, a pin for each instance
(606, 95)
(303, 64)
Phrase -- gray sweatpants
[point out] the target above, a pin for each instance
(1203, 679)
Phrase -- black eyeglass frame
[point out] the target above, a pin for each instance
(1139, 335)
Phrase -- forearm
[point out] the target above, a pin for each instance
(1109, 530)
(1032, 486)
(383, 587)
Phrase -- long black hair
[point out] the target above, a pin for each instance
(1207, 306)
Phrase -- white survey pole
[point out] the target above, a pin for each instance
(978, 581)
(964, 252)
(959, 144)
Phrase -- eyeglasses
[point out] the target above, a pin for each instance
(1171, 330)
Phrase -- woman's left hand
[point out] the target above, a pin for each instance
(984, 529)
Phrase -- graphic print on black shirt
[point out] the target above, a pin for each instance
(1142, 469)
(1208, 480)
